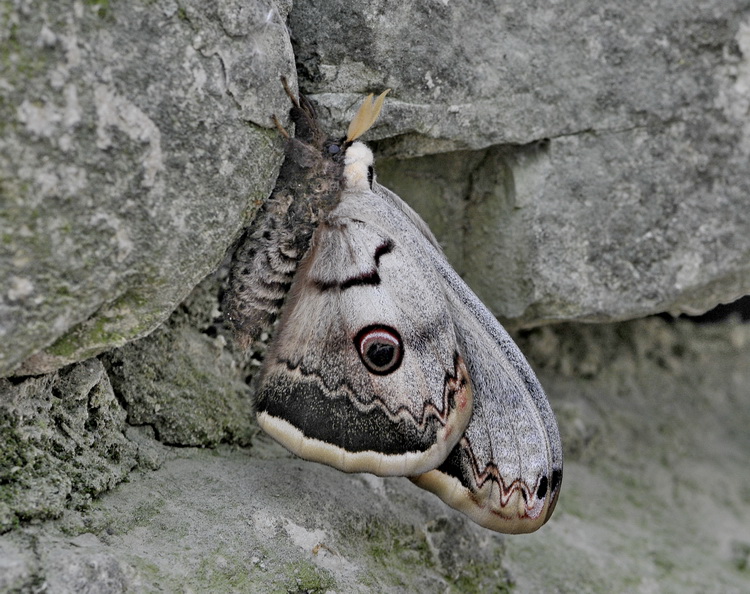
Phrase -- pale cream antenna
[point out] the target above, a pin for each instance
(366, 116)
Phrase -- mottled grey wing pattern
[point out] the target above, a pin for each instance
(373, 263)
(322, 397)
(505, 473)
(384, 360)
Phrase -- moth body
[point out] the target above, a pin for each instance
(266, 259)
(384, 361)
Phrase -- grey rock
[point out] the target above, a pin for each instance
(135, 145)
(606, 172)
(265, 525)
(81, 566)
(64, 438)
(654, 419)
(63, 442)
(183, 380)
(474, 74)
(580, 163)
(18, 565)
(564, 230)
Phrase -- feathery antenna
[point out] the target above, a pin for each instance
(366, 116)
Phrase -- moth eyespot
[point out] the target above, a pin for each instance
(380, 349)
(541, 492)
(334, 149)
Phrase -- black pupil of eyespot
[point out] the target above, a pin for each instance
(380, 348)
(380, 354)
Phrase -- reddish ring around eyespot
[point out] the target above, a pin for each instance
(380, 348)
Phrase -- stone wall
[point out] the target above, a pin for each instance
(579, 162)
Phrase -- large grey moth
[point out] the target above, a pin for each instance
(384, 361)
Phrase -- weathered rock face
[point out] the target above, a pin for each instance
(584, 162)
(605, 176)
(474, 74)
(68, 436)
(184, 380)
(654, 422)
(608, 176)
(583, 228)
(63, 442)
(133, 150)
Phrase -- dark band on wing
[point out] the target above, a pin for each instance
(352, 425)
(371, 278)
(462, 464)
(382, 250)
(344, 425)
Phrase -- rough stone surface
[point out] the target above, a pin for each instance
(471, 75)
(64, 435)
(63, 442)
(654, 419)
(608, 173)
(567, 230)
(183, 380)
(134, 146)
(602, 151)
(579, 162)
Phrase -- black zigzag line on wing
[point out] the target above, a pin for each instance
(453, 382)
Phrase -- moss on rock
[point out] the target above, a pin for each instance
(63, 442)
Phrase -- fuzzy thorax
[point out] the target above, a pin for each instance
(357, 162)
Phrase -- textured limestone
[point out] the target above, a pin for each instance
(134, 148)
(602, 151)
(183, 380)
(64, 438)
(585, 161)
(63, 442)
(654, 420)
(607, 176)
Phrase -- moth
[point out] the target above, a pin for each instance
(384, 361)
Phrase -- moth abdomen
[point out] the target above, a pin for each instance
(262, 270)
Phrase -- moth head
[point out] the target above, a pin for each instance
(358, 158)
(358, 161)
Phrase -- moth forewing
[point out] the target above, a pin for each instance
(320, 396)
(506, 471)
